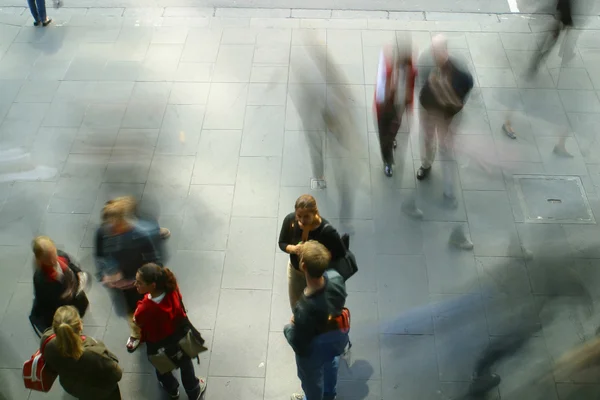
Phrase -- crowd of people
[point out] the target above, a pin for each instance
(131, 259)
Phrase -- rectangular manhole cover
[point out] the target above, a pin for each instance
(553, 199)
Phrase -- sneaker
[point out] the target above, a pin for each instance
(36, 23)
(47, 22)
(423, 172)
(387, 170)
(133, 344)
(172, 395)
(202, 383)
(459, 239)
(483, 384)
(561, 151)
(297, 396)
(509, 131)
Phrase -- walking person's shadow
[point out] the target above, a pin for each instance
(358, 388)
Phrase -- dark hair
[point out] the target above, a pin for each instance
(306, 202)
(162, 277)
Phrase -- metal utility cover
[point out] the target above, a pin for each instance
(553, 199)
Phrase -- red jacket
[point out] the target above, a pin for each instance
(158, 321)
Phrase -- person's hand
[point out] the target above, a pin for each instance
(292, 319)
(298, 248)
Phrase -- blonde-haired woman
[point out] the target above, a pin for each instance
(86, 369)
(298, 227)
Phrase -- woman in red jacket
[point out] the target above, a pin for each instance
(393, 95)
(159, 315)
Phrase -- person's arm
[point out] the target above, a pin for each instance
(301, 332)
(285, 236)
(70, 262)
(109, 371)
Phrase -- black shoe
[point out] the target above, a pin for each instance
(483, 384)
(422, 173)
(36, 23)
(387, 170)
(47, 22)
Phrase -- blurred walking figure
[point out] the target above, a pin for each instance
(161, 317)
(123, 245)
(442, 97)
(318, 332)
(394, 94)
(86, 369)
(298, 227)
(563, 20)
(58, 281)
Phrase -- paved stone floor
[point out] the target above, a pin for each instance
(190, 108)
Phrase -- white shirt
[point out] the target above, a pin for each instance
(157, 299)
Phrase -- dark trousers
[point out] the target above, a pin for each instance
(388, 124)
(38, 9)
(190, 382)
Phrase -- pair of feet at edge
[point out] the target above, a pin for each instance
(47, 22)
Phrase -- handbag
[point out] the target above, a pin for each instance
(36, 375)
(346, 265)
(192, 342)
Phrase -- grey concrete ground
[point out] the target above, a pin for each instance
(192, 110)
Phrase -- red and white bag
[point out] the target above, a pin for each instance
(36, 375)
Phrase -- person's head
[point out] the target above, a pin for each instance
(67, 327)
(306, 210)
(314, 259)
(152, 278)
(117, 212)
(439, 48)
(44, 251)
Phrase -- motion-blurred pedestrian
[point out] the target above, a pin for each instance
(86, 369)
(394, 95)
(122, 247)
(38, 12)
(57, 281)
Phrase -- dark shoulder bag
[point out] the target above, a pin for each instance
(346, 265)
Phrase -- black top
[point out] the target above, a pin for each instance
(311, 313)
(291, 234)
(462, 83)
(48, 293)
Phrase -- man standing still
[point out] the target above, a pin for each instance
(319, 328)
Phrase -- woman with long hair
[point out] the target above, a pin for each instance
(86, 369)
(160, 315)
(298, 227)
(57, 281)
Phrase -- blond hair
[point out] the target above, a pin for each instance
(315, 258)
(67, 328)
(119, 208)
(41, 245)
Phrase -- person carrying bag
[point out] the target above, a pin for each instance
(171, 339)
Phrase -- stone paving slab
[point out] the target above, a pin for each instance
(193, 108)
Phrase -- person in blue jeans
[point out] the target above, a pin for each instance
(38, 11)
(315, 333)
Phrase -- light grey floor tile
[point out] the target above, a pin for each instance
(236, 352)
(580, 101)
(280, 379)
(12, 384)
(265, 94)
(501, 99)
(226, 106)
(172, 169)
(66, 230)
(180, 130)
(496, 77)
(249, 258)
(136, 142)
(404, 302)
(233, 64)
(208, 207)
(217, 157)
(189, 93)
(263, 131)
(499, 276)
(74, 195)
(194, 269)
(222, 388)
(123, 168)
(144, 115)
(257, 186)
(478, 163)
(494, 233)
(524, 148)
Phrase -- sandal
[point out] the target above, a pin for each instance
(132, 344)
(508, 131)
(422, 173)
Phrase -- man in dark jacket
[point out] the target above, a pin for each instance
(315, 333)
(443, 96)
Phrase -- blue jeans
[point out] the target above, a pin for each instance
(318, 371)
(38, 9)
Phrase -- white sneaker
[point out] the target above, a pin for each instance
(297, 396)
(458, 238)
